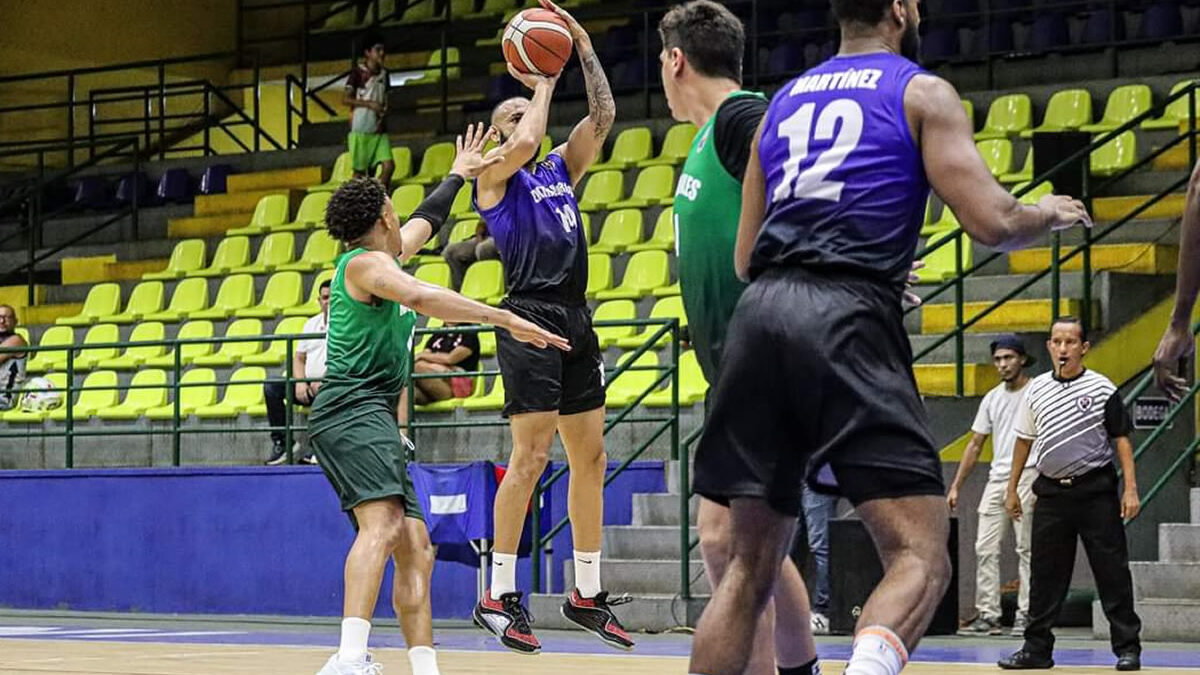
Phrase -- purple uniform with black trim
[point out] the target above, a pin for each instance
(818, 364)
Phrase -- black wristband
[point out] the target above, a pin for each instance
(436, 206)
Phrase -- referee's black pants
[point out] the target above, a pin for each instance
(1089, 509)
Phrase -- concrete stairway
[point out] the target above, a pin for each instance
(1168, 590)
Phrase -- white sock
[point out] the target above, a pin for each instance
(423, 661)
(587, 573)
(877, 651)
(355, 633)
(504, 574)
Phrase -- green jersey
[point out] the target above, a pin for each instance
(367, 355)
(708, 203)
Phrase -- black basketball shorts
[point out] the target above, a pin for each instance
(541, 380)
(817, 371)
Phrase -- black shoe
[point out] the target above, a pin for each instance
(1023, 660)
(509, 621)
(594, 616)
(309, 459)
(1130, 661)
(278, 455)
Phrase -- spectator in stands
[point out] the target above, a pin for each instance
(308, 363)
(819, 509)
(451, 352)
(460, 255)
(12, 366)
(995, 418)
(1178, 342)
(366, 96)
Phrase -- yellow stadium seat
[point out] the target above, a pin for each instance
(190, 295)
(102, 300)
(187, 256)
(313, 306)
(601, 189)
(1176, 112)
(232, 352)
(310, 216)
(969, 108)
(655, 185)
(487, 343)
(461, 206)
(1124, 103)
(320, 251)
(1115, 156)
(663, 236)
(666, 308)
(343, 171)
(134, 356)
(493, 400)
(197, 389)
(997, 155)
(402, 158)
(58, 382)
(436, 273)
(632, 146)
(484, 281)
(646, 271)
(463, 229)
(692, 385)
(624, 389)
(1040, 190)
(586, 223)
(192, 330)
(236, 292)
(939, 265)
(947, 221)
(544, 149)
(675, 148)
(614, 310)
(231, 253)
(243, 394)
(431, 324)
(276, 351)
(666, 291)
(435, 164)
(138, 401)
(621, 230)
(600, 276)
(101, 333)
(343, 16)
(433, 69)
(277, 248)
(406, 199)
(1025, 174)
(97, 392)
(282, 291)
(1007, 116)
(1066, 110)
(451, 404)
(54, 336)
(493, 8)
(146, 298)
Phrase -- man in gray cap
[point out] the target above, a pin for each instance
(995, 418)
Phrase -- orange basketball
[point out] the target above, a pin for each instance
(537, 41)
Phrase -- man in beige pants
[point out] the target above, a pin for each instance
(995, 418)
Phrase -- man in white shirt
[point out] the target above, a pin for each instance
(12, 365)
(996, 418)
(308, 363)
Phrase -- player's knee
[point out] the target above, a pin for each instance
(937, 570)
(386, 535)
(527, 465)
(594, 465)
(714, 540)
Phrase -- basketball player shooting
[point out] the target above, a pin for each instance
(817, 365)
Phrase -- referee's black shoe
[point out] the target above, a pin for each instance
(1130, 661)
(1023, 660)
(595, 616)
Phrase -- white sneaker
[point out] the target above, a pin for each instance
(1019, 624)
(819, 623)
(336, 666)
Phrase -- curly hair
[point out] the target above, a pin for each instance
(354, 208)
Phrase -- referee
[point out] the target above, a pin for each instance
(1069, 418)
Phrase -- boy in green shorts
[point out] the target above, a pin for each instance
(353, 427)
(366, 96)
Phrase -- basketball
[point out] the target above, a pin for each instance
(537, 41)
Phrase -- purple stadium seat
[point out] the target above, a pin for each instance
(91, 192)
(1049, 32)
(939, 44)
(628, 75)
(785, 59)
(1098, 28)
(502, 87)
(175, 186)
(1161, 21)
(131, 184)
(213, 180)
(1000, 35)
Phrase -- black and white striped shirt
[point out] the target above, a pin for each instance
(1071, 422)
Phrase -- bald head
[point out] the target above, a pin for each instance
(507, 114)
(8, 318)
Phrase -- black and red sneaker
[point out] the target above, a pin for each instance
(509, 621)
(595, 616)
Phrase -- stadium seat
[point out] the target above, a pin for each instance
(484, 281)
(493, 8)
(136, 184)
(58, 382)
(231, 353)
(175, 186)
(632, 146)
(192, 330)
(692, 385)
(1176, 112)
(1115, 156)
(450, 404)
(277, 248)
(1124, 103)
(243, 394)
(625, 388)
(231, 253)
(134, 356)
(215, 179)
(320, 251)
(54, 336)
(600, 276)
(493, 400)
(461, 205)
(670, 307)
(586, 223)
(436, 273)
(190, 295)
(343, 16)
(100, 334)
(1066, 110)
(969, 108)
(187, 256)
(947, 221)
(102, 300)
(276, 351)
(1007, 116)
(675, 148)
(138, 401)
(614, 310)
(939, 265)
(663, 236)
(343, 171)
(1040, 190)
(655, 185)
(283, 290)
(997, 155)
(270, 212)
(402, 158)
(430, 324)
(435, 164)
(621, 230)
(1050, 32)
(146, 298)
(313, 306)
(433, 68)
(406, 199)
(1162, 21)
(94, 396)
(1026, 172)
(545, 148)
(197, 389)
(310, 216)
(236, 292)
(463, 229)
(601, 190)
(666, 291)
(646, 271)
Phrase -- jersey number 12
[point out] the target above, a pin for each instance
(798, 129)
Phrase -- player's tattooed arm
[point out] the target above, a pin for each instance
(587, 138)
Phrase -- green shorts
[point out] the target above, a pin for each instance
(368, 151)
(364, 460)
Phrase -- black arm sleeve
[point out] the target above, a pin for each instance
(733, 131)
(1116, 418)
(436, 207)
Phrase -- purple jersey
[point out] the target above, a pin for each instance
(537, 231)
(845, 184)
